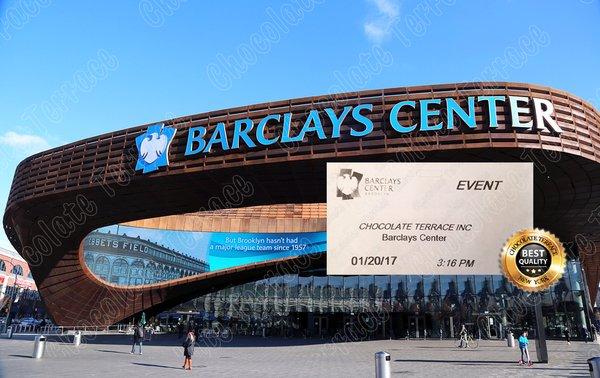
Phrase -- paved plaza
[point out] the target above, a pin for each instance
(109, 356)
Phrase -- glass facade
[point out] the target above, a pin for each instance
(317, 305)
(369, 307)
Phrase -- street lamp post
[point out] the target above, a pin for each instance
(504, 320)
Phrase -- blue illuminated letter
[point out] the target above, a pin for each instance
(336, 122)
(492, 110)
(516, 110)
(362, 119)
(452, 107)
(218, 135)
(241, 128)
(426, 113)
(195, 135)
(312, 123)
(394, 117)
(260, 130)
(287, 126)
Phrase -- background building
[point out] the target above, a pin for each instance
(17, 286)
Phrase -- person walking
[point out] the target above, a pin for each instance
(568, 335)
(188, 350)
(524, 347)
(138, 336)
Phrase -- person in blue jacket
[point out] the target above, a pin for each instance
(524, 346)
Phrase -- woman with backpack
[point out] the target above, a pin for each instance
(188, 349)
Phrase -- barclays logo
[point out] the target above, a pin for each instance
(347, 184)
(153, 147)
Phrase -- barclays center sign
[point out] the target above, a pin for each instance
(432, 115)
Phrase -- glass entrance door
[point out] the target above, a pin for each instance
(416, 326)
(321, 325)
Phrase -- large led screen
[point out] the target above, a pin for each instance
(128, 256)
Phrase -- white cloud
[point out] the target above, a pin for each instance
(27, 142)
(378, 27)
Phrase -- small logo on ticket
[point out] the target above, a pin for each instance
(533, 259)
(347, 184)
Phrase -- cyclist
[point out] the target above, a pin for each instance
(464, 343)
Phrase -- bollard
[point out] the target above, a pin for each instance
(9, 332)
(77, 338)
(594, 364)
(39, 346)
(510, 340)
(382, 365)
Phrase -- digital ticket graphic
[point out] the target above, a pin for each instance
(424, 218)
(533, 259)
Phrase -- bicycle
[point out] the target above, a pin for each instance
(467, 342)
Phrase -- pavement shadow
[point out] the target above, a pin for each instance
(166, 366)
(458, 361)
(20, 355)
(157, 366)
(455, 347)
(111, 351)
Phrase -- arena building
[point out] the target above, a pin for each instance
(211, 181)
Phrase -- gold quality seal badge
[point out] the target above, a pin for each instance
(533, 259)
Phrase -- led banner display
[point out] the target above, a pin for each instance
(125, 255)
(424, 218)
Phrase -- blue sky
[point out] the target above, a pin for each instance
(71, 70)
